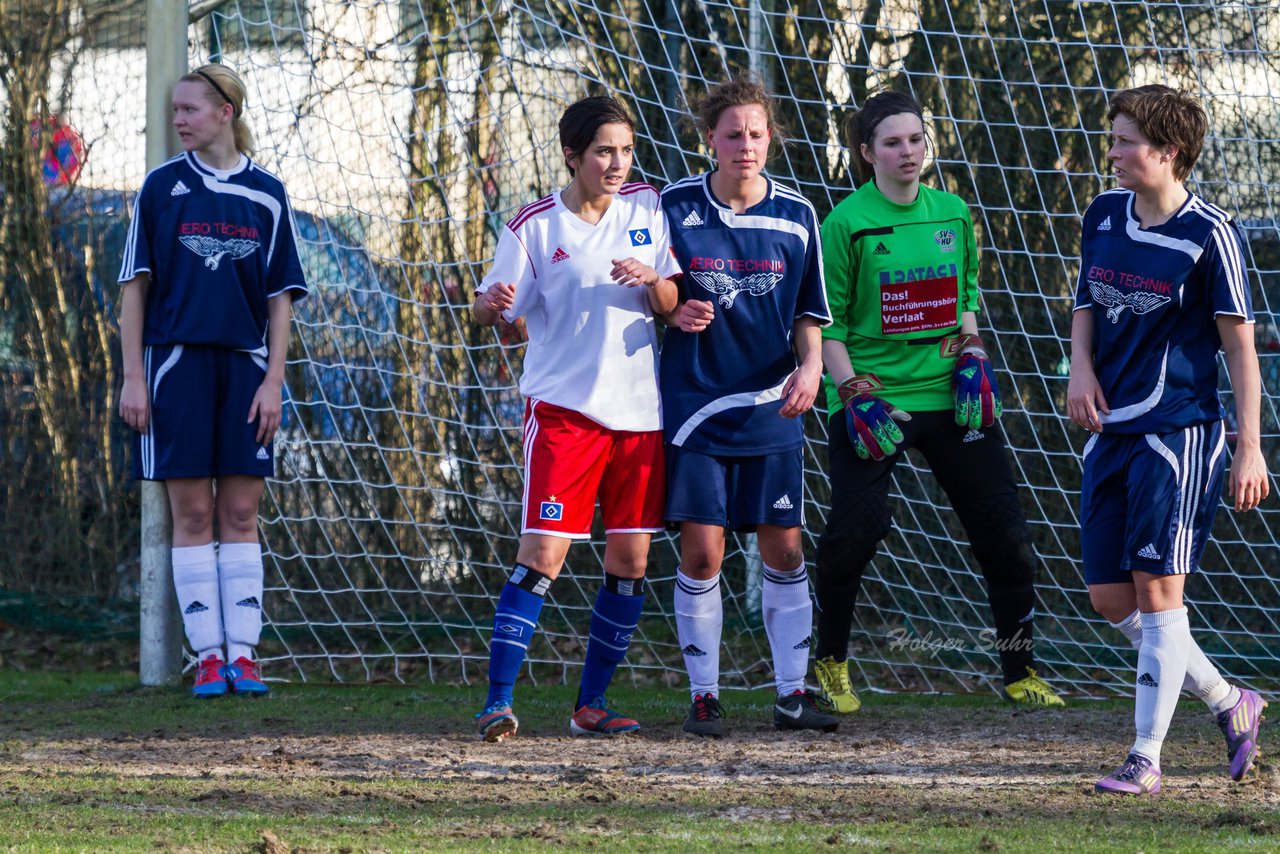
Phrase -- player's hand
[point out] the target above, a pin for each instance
(499, 297)
(631, 273)
(695, 315)
(1085, 399)
(266, 407)
(974, 381)
(801, 390)
(135, 405)
(872, 421)
(1247, 481)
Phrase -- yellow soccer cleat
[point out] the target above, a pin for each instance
(833, 680)
(1032, 691)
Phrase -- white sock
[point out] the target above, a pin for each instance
(1203, 679)
(788, 621)
(699, 621)
(1162, 666)
(195, 578)
(240, 572)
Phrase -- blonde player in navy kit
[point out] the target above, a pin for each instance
(1162, 288)
(588, 267)
(209, 276)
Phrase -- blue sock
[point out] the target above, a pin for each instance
(514, 622)
(613, 621)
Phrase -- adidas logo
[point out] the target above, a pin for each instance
(974, 435)
(783, 503)
(804, 644)
(196, 607)
(263, 455)
(1146, 679)
(692, 220)
(693, 651)
(1105, 225)
(1149, 552)
(559, 255)
(179, 189)
(250, 602)
(880, 249)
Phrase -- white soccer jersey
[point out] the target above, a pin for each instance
(593, 343)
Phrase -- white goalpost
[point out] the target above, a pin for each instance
(409, 131)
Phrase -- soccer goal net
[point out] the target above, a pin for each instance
(409, 131)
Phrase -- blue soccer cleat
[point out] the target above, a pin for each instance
(211, 681)
(1137, 776)
(1240, 726)
(497, 722)
(244, 678)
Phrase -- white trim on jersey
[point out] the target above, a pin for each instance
(149, 438)
(1139, 235)
(720, 404)
(1133, 410)
(264, 199)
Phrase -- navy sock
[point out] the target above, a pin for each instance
(514, 622)
(613, 621)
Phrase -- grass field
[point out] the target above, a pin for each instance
(93, 762)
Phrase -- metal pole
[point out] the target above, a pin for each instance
(160, 631)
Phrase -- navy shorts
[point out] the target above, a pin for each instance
(738, 493)
(200, 399)
(1147, 501)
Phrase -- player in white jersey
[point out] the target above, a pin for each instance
(588, 268)
(209, 276)
(733, 393)
(1162, 288)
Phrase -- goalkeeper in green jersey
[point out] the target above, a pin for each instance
(906, 369)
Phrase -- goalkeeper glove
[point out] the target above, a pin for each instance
(977, 396)
(870, 420)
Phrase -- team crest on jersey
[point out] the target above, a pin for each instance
(551, 511)
(214, 250)
(946, 239)
(639, 237)
(1116, 302)
(727, 288)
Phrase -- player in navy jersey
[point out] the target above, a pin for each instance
(209, 275)
(588, 268)
(1162, 288)
(733, 391)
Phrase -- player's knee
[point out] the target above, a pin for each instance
(1000, 539)
(237, 517)
(698, 563)
(192, 520)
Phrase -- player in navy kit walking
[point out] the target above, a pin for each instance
(588, 268)
(1162, 288)
(209, 276)
(733, 392)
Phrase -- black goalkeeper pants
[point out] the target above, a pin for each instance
(973, 467)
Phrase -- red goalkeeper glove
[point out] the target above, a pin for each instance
(977, 395)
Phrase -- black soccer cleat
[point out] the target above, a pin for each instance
(705, 717)
(799, 710)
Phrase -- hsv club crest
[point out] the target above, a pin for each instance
(1140, 301)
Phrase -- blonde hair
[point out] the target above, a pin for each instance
(224, 86)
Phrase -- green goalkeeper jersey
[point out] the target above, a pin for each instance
(898, 278)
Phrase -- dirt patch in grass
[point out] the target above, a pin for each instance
(947, 766)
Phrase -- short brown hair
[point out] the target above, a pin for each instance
(1166, 117)
(739, 92)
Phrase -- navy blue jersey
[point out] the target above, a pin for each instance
(218, 244)
(1155, 295)
(721, 388)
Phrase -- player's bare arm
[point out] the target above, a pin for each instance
(1084, 394)
(1247, 481)
(801, 388)
(135, 405)
(489, 306)
(267, 406)
(632, 273)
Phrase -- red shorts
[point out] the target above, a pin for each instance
(570, 460)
